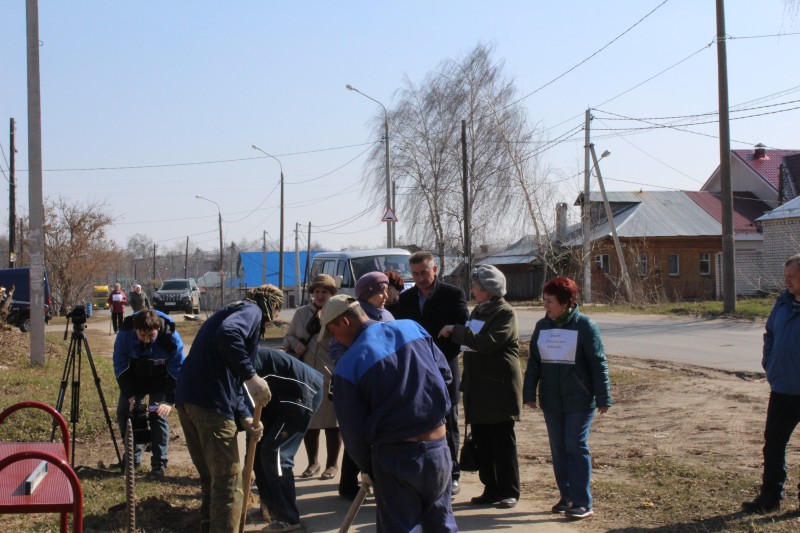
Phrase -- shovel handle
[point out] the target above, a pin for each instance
(247, 474)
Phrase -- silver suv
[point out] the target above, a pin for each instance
(181, 294)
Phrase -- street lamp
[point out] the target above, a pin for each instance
(280, 258)
(221, 257)
(389, 225)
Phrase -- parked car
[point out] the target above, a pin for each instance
(180, 294)
(350, 265)
(20, 311)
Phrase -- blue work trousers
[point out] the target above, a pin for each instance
(572, 464)
(159, 431)
(412, 487)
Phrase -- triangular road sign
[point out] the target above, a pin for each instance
(389, 216)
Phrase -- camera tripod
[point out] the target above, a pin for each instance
(72, 369)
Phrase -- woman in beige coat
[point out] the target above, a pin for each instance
(301, 341)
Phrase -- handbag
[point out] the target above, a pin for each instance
(468, 458)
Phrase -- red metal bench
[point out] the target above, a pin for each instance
(59, 490)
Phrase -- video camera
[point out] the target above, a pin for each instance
(78, 316)
(139, 422)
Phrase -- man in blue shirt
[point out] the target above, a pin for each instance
(390, 396)
(148, 354)
(781, 361)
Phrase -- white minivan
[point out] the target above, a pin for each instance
(350, 265)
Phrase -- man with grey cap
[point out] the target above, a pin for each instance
(390, 396)
(138, 299)
(433, 304)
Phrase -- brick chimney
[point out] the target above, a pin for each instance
(760, 152)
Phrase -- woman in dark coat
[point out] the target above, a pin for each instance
(492, 385)
(568, 366)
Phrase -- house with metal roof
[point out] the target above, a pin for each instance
(781, 229)
(671, 242)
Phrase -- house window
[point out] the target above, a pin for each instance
(705, 264)
(602, 263)
(673, 264)
(641, 265)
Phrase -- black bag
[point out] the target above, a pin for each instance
(468, 458)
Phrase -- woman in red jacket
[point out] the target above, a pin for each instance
(117, 301)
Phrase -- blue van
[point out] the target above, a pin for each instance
(20, 311)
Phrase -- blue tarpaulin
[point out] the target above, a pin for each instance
(252, 268)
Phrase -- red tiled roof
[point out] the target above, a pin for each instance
(746, 208)
(767, 167)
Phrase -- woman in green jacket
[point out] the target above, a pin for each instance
(492, 386)
(568, 365)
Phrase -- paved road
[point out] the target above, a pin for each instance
(720, 343)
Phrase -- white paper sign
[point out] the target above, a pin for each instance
(475, 326)
(558, 346)
(117, 297)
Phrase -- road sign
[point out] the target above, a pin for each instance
(389, 216)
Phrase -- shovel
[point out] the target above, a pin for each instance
(249, 459)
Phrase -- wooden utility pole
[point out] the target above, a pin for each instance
(264, 257)
(35, 204)
(728, 250)
(308, 263)
(186, 259)
(12, 202)
(467, 215)
(154, 263)
(297, 264)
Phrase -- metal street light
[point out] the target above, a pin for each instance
(221, 256)
(389, 225)
(280, 259)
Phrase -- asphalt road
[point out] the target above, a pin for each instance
(723, 344)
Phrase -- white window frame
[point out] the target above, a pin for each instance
(677, 271)
(603, 262)
(705, 259)
(641, 265)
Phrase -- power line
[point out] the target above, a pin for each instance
(167, 165)
(587, 58)
(335, 169)
(697, 115)
(659, 126)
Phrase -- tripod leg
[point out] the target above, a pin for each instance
(62, 390)
(102, 398)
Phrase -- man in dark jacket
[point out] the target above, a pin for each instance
(210, 401)
(148, 354)
(781, 361)
(390, 396)
(296, 395)
(434, 304)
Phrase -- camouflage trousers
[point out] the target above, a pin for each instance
(211, 440)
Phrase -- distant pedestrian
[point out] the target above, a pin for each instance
(434, 304)
(116, 301)
(781, 361)
(568, 367)
(139, 299)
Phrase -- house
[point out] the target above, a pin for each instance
(781, 229)
(671, 241)
(522, 267)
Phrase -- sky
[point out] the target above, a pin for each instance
(146, 105)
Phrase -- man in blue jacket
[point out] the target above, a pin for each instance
(148, 354)
(781, 361)
(390, 396)
(210, 401)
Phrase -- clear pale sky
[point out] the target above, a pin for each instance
(147, 104)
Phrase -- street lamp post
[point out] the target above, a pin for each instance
(389, 225)
(221, 256)
(280, 258)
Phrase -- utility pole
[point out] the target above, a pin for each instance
(264, 257)
(186, 259)
(154, 264)
(297, 263)
(12, 203)
(728, 250)
(221, 265)
(467, 216)
(586, 221)
(35, 205)
(308, 263)
(620, 257)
